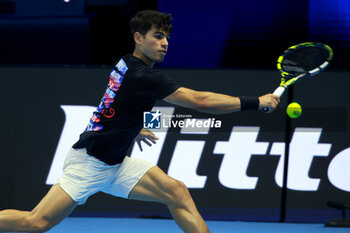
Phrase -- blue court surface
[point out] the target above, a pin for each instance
(134, 225)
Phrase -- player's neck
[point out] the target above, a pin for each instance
(144, 58)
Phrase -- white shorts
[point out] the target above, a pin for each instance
(85, 175)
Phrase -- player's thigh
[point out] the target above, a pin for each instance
(55, 206)
(156, 186)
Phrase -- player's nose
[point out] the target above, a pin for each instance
(165, 43)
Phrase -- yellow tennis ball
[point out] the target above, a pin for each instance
(294, 110)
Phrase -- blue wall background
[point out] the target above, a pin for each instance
(207, 34)
(210, 34)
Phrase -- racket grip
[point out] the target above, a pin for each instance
(279, 91)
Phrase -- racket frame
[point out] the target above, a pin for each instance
(286, 83)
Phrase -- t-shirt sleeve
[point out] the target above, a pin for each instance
(157, 85)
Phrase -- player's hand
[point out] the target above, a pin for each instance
(269, 100)
(147, 137)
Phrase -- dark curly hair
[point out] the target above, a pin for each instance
(143, 21)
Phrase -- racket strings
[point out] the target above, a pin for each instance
(303, 60)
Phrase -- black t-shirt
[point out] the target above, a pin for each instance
(132, 89)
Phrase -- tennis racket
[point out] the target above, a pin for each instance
(301, 61)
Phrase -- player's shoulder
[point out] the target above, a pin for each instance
(134, 64)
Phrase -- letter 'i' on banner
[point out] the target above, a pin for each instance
(237, 152)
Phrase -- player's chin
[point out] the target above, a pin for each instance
(159, 59)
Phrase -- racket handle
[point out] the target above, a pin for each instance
(279, 91)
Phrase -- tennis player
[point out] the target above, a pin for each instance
(97, 162)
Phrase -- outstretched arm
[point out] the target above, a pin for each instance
(215, 103)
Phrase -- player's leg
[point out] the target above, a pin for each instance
(157, 186)
(51, 210)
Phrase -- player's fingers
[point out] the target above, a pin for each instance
(274, 104)
(275, 101)
(276, 97)
(153, 136)
(147, 142)
(152, 140)
(150, 134)
(139, 144)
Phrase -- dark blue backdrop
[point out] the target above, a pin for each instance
(209, 34)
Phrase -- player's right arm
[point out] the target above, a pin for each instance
(211, 102)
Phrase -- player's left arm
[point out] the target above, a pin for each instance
(211, 102)
(147, 137)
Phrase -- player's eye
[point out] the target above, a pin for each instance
(159, 36)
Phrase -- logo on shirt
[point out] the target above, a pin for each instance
(152, 120)
(108, 112)
(105, 109)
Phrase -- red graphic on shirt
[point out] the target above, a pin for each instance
(108, 112)
(94, 118)
(114, 84)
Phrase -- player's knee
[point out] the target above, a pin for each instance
(45, 226)
(179, 193)
(37, 224)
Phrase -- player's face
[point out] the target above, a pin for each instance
(154, 45)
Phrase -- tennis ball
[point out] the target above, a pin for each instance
(294, 110)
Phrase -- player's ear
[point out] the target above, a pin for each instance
(138, 38)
